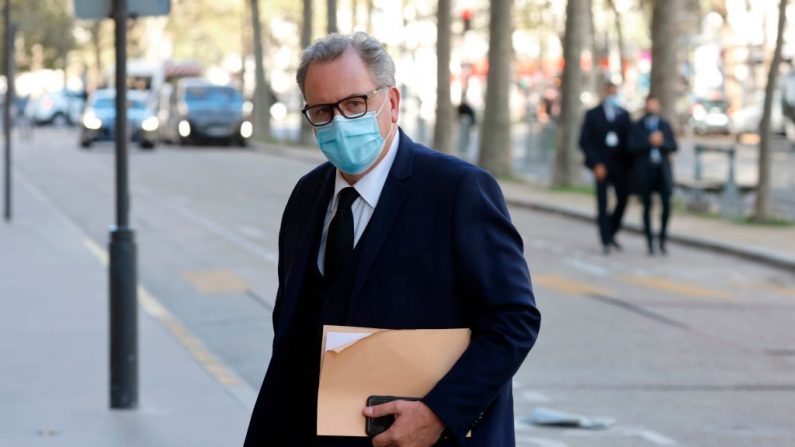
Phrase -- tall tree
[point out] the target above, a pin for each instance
(443, 130)
(574, 37)
(619, 35)
(495, 138)
(665, 38)
(261, 94)
(307, 134)
(763, 206)
(331, 12)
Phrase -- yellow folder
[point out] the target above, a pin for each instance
(357, 363)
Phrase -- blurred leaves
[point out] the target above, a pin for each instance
(44, 33)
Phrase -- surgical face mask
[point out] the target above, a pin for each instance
(615, 100)
(352, 145)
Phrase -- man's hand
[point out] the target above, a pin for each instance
(415, 425)
(600, 172)
(656, 139)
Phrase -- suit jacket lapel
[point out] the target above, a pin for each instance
(387, 210)
(304, 253)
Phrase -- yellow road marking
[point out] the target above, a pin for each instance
(677, 287)
(216, 282)
(567, 286)
(153, 307)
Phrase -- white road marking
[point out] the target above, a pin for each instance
(533, 396)
(587, 267)
(648, 435)
(532, 441)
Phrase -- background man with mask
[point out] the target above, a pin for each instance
(390, 234)
(651, 141)
(603, 141)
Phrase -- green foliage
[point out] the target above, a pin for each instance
(44, 32)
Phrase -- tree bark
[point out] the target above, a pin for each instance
(763, 206)
(261, 94)
(565, 168)
(495, 138)
(665, 46)
(443, 130)
(331, 10)
(619, 36)
(307, 134)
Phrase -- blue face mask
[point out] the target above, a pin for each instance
(615, 100)
(352, 145)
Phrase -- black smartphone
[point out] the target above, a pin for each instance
(376, 426)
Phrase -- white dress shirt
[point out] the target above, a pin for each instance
(369, 188)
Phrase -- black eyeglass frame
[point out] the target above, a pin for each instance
(336, 105)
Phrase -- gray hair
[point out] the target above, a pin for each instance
(334, 45)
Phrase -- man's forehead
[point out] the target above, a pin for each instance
(339, 78)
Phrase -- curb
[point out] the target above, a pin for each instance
(760, 256)
(745, 252)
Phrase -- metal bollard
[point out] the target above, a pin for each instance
(731, 206)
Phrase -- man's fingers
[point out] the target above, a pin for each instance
(382, 410)
(385, 439)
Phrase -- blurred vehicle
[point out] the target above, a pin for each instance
(58, 108)
(99, 120)
(747, 119)
(710, 116)
(196, 110)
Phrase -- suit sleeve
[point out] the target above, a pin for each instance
(669, 141)
(587, 137)
(494, 282)
(286, 217)
(638, 140)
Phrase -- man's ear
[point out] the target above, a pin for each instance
(394, 103)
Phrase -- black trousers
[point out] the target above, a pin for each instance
(656, 183)
(610, 222)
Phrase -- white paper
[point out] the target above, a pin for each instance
(337, 341)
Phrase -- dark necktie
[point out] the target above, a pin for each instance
(339, 244)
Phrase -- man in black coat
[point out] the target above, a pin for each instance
(603, 141)
(651, 142)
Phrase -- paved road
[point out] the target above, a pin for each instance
(693, 349)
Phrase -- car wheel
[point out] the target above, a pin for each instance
(85, 144)
(148, 145)
(59, 120)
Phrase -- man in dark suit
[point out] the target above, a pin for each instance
(390, 234)
(651, 142)
(603, 140)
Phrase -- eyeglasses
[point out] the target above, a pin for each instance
(350, 107)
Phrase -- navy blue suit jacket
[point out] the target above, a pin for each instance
(593, 136)
(441, 252)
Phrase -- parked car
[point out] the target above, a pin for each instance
(197, 110)
(59, 108)
(99, 119)
(710, 116)
(747, 119)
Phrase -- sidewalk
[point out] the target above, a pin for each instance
(54, 342)
(768, 244)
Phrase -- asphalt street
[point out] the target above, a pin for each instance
(692, 349)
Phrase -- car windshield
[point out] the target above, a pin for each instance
(109, 103)
(224, 94)
(712, 104)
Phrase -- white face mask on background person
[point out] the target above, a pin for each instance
(352, 145)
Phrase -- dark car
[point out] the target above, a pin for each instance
(99, 119)
(197, 110)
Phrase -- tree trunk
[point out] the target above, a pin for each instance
(370, 7)
(763, 206)
(577, 12)
(262, 125)
(96, 47)
(331, 10)
(495, 136)
(443, 130)
(619, 36)
(664, 48)
(307, 134)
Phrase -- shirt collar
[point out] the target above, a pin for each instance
(369, 187)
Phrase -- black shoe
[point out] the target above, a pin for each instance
(616, 245)
(650, 251)
(605, 250)
(663, 250)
